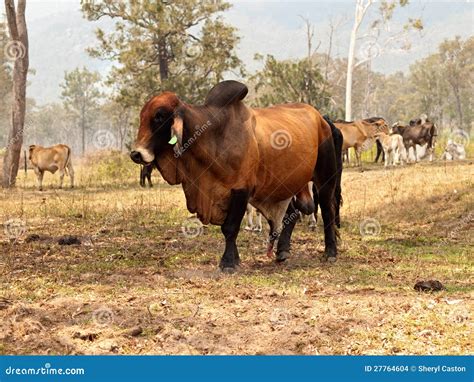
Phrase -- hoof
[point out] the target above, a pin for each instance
(228, 270)
(248, 228)
(258, 229)
(328, 259)
(282, 256)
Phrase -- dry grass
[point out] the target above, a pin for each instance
(135, 268)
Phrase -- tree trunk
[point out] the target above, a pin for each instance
(458, 106)
(350, 70)
(163, 60)
(19, 39)
(361, 9)
(83, 130)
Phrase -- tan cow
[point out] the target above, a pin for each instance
(360, 134)
(52, 159)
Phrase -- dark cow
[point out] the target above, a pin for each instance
(226, 154)
(145, 174)
(419, 132)
(380, 152)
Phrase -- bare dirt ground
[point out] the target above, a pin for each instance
(144, 278)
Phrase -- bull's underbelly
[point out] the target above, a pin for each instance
(270, 171)
(51, 168)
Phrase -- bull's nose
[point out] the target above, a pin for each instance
(136, 157)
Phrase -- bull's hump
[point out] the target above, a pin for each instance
(226, 93)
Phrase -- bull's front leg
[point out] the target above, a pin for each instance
(237, 207)
(39, 176)
(142, 176)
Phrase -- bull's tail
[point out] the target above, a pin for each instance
(325, 176)
(338, 141)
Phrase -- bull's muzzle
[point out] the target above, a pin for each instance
(136, 156)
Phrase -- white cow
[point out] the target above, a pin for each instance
(454, 151)
(393, 147)
(251, 215)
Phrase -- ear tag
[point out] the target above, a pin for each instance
(173, 140)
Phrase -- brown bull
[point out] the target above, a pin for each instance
(51, 159)
(360, 134)
(226, 154)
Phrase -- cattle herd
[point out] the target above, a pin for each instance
(277, 162)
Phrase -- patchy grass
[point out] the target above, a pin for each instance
(136, 268)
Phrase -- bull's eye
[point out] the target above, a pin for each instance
(161, 124)
(159, 119)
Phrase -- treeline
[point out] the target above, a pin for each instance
(157, 47)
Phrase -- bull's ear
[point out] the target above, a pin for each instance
(225, 93)
(177, 131)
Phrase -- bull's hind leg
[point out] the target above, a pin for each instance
(274, 213)
(237, 207)
(70, 171)
(61, 177)
(326, 178)
(289, 221)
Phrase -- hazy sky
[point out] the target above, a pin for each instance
(58, 34)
